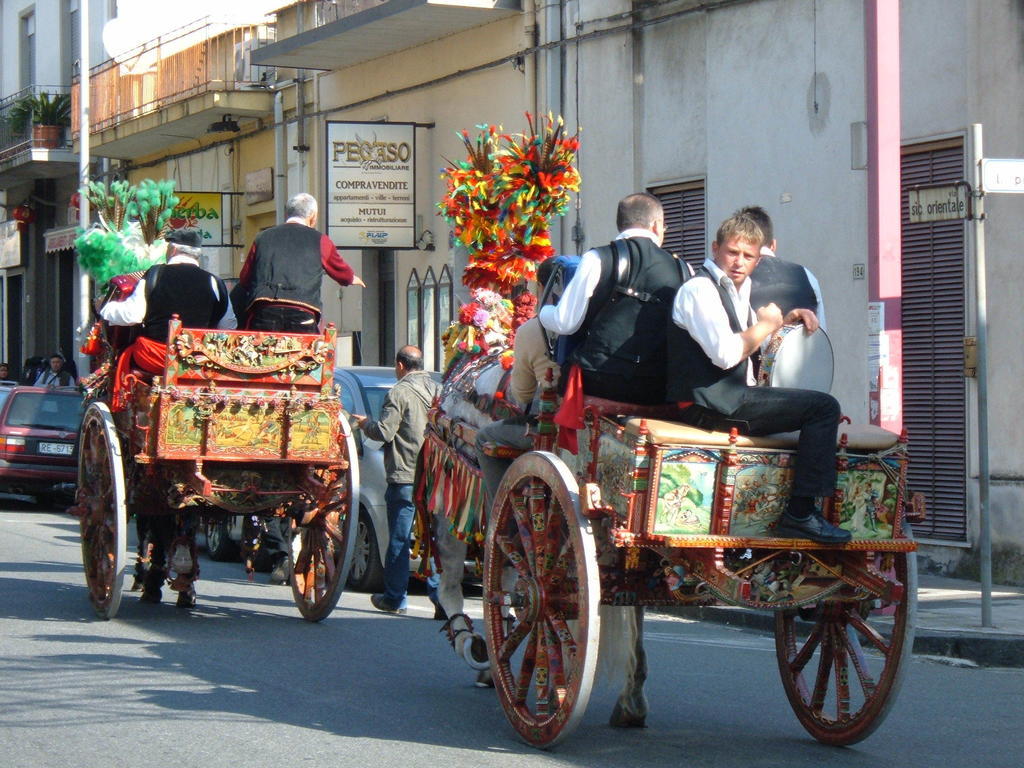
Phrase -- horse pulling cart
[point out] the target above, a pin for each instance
(240, 423)
(650, 512)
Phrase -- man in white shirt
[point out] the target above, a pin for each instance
(622, 314)
(713, 334)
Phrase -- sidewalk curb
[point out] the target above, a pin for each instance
(983, 649)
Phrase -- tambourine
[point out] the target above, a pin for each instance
(791, 358)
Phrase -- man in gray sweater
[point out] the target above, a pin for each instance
(403, 420)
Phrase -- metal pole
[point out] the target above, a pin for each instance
(84, 289)
(985, 544)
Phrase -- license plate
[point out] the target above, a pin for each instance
(58, 449)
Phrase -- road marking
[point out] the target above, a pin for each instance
(753, 643)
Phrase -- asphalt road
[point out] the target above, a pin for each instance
(243, 680)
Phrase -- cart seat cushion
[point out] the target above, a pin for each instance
(616, 408)
(860, 437)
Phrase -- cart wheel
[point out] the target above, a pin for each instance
(842, 678)
(540, 561)
(325, 545)
(104, 520)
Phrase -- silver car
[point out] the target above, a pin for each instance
(363, 389)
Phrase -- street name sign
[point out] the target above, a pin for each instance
(1002, 175)
(938, 203)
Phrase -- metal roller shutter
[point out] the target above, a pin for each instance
(934, 389)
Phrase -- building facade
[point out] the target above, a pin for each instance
(39, 175)
(710, 106)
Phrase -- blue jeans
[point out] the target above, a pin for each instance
(398, 498)
(401, 512)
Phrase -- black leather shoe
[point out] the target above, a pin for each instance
(439, 614)
(816, 528)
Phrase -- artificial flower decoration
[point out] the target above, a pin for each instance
(500, 202)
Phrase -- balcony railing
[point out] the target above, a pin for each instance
(190, 61)
(17, 139)
(327, 11)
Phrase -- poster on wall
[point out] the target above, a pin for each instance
(371, 184)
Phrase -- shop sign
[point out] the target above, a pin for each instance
(371, 184)
(203, 211)
(60, 239)
(10, 244)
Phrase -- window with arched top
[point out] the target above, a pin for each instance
(430, 334)
(412, 310)
(444, 308)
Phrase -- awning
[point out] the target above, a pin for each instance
(59, 239)
(382, 30)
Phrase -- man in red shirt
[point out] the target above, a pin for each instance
(281, 277)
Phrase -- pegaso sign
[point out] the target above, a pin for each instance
(371, 184)
(938, 202)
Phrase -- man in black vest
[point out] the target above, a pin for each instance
(622, 313)
(783, 283)
(179, 287)
(713, 333)
(280, 280)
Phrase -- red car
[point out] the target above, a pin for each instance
(39, 440)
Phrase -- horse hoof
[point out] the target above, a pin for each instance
(622, 719)
(474, 652)
(484, 679)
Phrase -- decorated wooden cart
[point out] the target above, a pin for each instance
(644, 511)
(240, 423)
(655, 513)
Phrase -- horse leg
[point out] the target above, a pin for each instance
(468, 645)
(631, 708)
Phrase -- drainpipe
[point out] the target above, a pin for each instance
(300, 105)
(280, 158)
(84, 288)
(554, 85)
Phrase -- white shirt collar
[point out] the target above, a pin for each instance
(296, 220)
(637, 232)
(182, 258)
(744, 290)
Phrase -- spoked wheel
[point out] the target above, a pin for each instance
(540, 561)
(842, 678)
(325, 544)
(101, 508)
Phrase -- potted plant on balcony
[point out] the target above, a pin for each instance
(49, 115)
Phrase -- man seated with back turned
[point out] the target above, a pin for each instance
(180, 287)
(279, 285)
(200, 299)
(622, 316)
(713, 333)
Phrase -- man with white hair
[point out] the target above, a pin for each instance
(280, 280)
(179, 287)
(200, 299)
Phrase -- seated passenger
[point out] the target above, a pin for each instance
(529, 369)
(179, 287)
(622, 317)
(713, 334)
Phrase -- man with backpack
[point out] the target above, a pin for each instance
(617, 305)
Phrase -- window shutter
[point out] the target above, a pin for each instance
(934, 390)
(684, 221)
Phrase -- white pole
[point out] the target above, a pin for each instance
(980, 292)
(84, 291)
